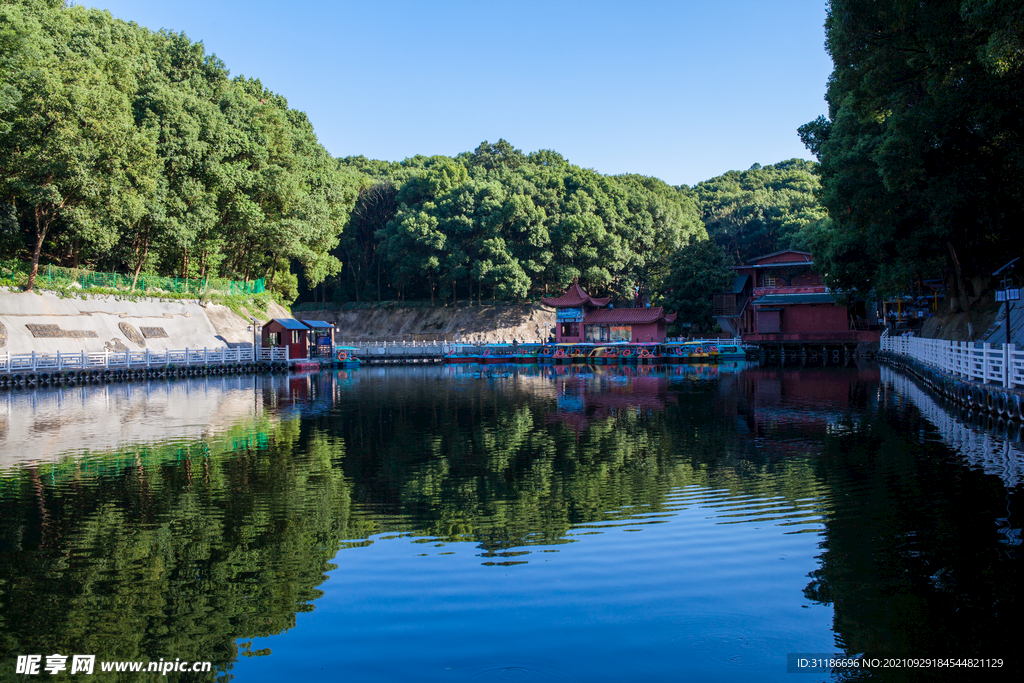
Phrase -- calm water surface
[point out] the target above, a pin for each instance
(527, 523)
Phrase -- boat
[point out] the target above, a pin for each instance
(700, 350)
(564, 353)
(463, 353)
(649, 354)
(731, 352)
(628, 354)
(546, 354)
(581, 353)
(609, 355)
(674, 352)
(497, 353)
(345, 357)
(527, 353)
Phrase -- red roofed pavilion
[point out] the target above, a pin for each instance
(583, 318)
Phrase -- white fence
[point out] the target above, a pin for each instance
(1001, 364)
(33, 362)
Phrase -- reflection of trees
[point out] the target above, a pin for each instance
(485, 462)
(172, 551)
(182, 549)
(907, 561)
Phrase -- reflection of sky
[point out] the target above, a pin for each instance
(684, 594)
(573, 404)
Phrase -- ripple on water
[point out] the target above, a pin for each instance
(517, 673)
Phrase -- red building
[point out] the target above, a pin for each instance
(583, 318)
(287, 332)
(779, 297)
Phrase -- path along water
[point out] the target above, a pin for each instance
(538, 523)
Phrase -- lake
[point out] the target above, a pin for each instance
(456, 523)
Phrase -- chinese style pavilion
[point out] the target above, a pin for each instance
(583, 318)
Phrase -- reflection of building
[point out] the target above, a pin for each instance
(583, 318)
(779, 297)
(796, 406)
(583, 398)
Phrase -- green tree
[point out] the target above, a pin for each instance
(763, 209)
(695, 271)
(920, 153)
(71, 152)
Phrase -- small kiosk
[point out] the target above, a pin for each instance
(287, 332)
(322, 343)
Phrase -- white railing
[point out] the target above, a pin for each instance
(86, 360)
(1001, 364)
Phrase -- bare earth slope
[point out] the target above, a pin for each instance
(525, 322)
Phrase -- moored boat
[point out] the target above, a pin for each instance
(731, 352)
(463, 353)
(345, 357)
(497, 353)
(563, 354)
(581, 353)
(700, 351)
(649, 354)
(527, 353)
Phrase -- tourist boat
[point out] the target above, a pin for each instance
(674, 352)
(700, 350)
(604, 355)
(581, 353)
(649, 354)
(610, 354)
(497, 353)
(731, 352)
(628, 354)
(463, 353)
(546, 354)
(345, 357)
(563, 354)
(527, 353)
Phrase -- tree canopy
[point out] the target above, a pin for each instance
(502, 224)
(763, 209)
(133, 150)
(921, 162)
(136, 151)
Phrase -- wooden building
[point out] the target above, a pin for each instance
(779, 297)
(287, 332)
(583, 318)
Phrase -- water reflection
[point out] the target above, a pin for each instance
(717, 515)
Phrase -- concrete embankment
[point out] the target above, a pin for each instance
(47, 323)
(524, 322)
(990, 399)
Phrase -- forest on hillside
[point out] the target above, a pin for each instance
(128, 150)
(124, 149)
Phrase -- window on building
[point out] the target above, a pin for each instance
(295, 336)
(570, 330)
(274, 338)
(622, 333)
(767, 280)
(597, 333)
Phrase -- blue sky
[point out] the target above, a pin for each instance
(681, 90)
